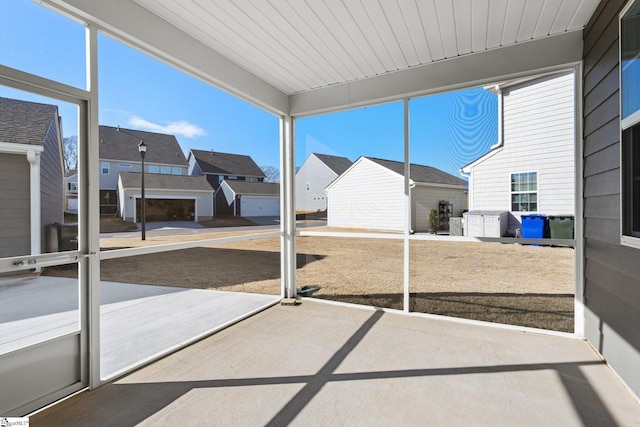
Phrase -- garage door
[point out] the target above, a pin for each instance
(259, 206)
(167, 209)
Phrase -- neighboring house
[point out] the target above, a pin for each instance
(370, 195)
(32, 170)
(217, 167)
(71, 191)
(531, 168)
(119, 153)
(168, 197)
(247, 199)
(317, 171)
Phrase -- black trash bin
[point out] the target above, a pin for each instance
(67, 236)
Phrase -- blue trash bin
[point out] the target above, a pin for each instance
(534, 226)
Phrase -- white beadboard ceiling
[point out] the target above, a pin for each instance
(302, 45)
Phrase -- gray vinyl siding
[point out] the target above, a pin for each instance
(51, 187)
(539, 136)
(612, 271)
(318, 176)
(110, 181)
(15, 209)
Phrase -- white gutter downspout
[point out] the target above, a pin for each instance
(33, 157)
(500, 119)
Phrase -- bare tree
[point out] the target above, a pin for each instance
(70, 152)
(272, 173)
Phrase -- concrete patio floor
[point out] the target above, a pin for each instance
(137, 322)
(321, 364)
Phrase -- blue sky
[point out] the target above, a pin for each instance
(136, 91)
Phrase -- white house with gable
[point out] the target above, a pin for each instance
(317, 171)
(531, 167)
(370, 195)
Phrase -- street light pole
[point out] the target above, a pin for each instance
(142, 148)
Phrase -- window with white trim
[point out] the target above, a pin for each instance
(104, 166)
(154, 169)
(176, 171)
(165, 169)
(524, 192)
(630, 120)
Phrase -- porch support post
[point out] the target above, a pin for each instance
(33, 157)
(287, 208)
(89, 209)
(407, 205)
(579, 305)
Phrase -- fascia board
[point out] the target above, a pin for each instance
(515, 61)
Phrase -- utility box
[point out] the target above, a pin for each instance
(561, 226)
(455, 226)
(485, 223)
(67, 236)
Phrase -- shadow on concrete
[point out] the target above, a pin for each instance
(133, 403)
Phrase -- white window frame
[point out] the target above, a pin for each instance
(628, 237)
(105, 166)
(165, 170)
(536, 191)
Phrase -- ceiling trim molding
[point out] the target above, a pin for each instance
(514, 61)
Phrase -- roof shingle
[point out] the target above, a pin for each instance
(158, 181)
(117, 143)
(254, 188)
(227, 164)
(23, 122)
(335, 163)
(420, 173)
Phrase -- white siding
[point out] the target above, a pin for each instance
(194, 167)
(317, 175)
(426, 197)
(539, 124)
(229, 195)
(367, 196)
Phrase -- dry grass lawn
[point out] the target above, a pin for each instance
(505, 283)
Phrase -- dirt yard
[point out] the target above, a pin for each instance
(506, 283)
